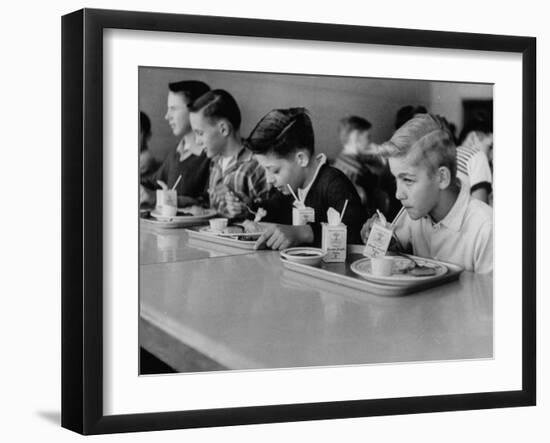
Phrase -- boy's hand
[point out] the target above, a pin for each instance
(234, 205)
(367, 227)
(146, 196)
(395, 244)
(284, 236)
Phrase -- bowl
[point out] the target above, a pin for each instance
(304, 255)
(218, 224)
(381, 266)
(168, 211)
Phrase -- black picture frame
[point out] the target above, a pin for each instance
(82, 218)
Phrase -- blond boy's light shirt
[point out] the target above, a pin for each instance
(463, 237)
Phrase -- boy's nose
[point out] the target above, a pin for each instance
(399, 194)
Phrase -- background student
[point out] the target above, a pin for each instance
(474, 157)
(366, 169)
(148, 165)
(354, 136)
(186, 158)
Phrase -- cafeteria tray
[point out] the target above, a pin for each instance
(219, 240)
(341, 274)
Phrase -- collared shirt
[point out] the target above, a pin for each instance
(194, 170)
(302, 193)
(243, 175)
(188, 149)
(463, 237)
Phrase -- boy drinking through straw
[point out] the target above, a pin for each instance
(442, 221)
(283, 144)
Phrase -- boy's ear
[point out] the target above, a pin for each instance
(444, 177)
(302, 158)
(223, 127)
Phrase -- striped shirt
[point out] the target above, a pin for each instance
(243, 175)
(473, 168)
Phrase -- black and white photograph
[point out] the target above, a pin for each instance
(275, 222)
(278, 221)
(297, 221)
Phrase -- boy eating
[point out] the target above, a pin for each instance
(283, 143)
(441, 220)
(215, 118)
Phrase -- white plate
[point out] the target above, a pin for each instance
(362, 268)
(304, 255)
(208, 213)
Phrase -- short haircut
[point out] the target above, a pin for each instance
(144, 124)
(191, 89)
(428, 138)
(216, 105)
(352, 123)
(282, 132)
(405, 113)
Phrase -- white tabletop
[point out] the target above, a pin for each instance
(243, 311)
(157, 245)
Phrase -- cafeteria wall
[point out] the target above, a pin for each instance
(328, 99)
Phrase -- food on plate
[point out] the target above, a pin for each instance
(194, 210)
(233, 230)
(422, 271)
(403, 265)
(248, 237)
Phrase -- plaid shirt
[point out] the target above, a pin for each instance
(243, 176)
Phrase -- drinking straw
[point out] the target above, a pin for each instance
(292, 192)
(396, 218)
(381, 217)
(344, 210)
(177, 181)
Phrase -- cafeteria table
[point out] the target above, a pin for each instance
(206, 307)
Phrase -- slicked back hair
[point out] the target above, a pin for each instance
(216, 105)
(191, 89)
(283, 132)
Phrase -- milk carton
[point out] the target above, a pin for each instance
(302, 215)
(334, 235)
(334, 241)
(378, 241)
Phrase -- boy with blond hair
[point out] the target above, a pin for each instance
(441, 220)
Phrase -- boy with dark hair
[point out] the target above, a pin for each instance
(283, 143)
(187, 159)
(216, 119)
